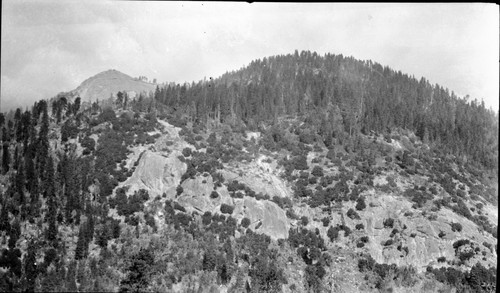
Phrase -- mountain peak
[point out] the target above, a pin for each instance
(107, 83)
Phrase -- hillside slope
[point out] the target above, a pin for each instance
(169, 196)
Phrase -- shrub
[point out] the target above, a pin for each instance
(360, 244)
(304, 175)
(178, 207)
(300, 163)
(245, 222)
(291, 214)
(326, 221)
(226, 209)
(462, 209)
(360, 226)
(364, 239)
(353, 214)
(366, 264)
(347, 230)
(107, 115)
(206, 218)
(388, 242)
(89, 143)
(186, 152)
(304, 220)
(333, 233)
(466, 255)
(388, 223)
(214, 194)
(179, 190)
(441, 234)
(456, 227)
(360, 205)
(460, 243)
(488, 245)
(317, 171)
(331, 154)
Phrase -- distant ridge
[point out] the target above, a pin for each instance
(102, 85)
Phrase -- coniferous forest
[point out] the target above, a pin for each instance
(342, 96)
(68, 221)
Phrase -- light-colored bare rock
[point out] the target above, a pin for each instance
(156, 173)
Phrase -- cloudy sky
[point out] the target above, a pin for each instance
(52, 46)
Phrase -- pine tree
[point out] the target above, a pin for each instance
(26, 130)
(43, 142)
(30, 267)
(52, 219)
(138, 273)
(5, 151)
(81, 250)
(76, 105)
(71, 277)
(4, 218)
(14, 233)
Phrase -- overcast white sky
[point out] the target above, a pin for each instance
(52, 46)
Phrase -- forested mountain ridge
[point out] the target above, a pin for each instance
(364, 95)
(255, 181)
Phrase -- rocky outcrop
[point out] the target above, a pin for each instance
(260, 176)
(266, 217)
(157, 174)
(416, 232)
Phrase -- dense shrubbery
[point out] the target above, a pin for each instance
(88, 143)
(317, 171)
(282, 202)
(406, 276)
(419, 197)
(333, 232)
(127, 206)
(69, 129)
(309, 247)
(479, 279)
(462, 209)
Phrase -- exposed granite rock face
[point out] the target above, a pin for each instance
(157, 174)
(267, 216)
(260, 176)
(159, 169)
(421, 235)
(197, 192)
